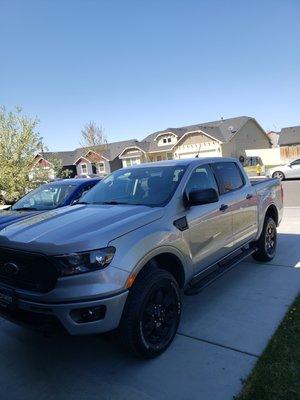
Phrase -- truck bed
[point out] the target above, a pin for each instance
(263, 181)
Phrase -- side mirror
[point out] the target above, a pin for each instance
(202, 196)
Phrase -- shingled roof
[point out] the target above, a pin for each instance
(109, 151)
(289, 136)
(222, 130)
(66, 157)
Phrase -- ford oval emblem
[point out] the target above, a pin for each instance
(11, 269)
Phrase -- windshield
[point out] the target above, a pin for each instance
(149, 186)
(45, 197)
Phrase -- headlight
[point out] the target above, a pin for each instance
(78, 263)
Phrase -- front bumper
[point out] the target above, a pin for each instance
(44, 316)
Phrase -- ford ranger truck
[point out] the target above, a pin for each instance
(137, 241)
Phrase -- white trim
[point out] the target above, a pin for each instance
(131, 147)
(197, 131)
(39, 159)
(86, 172)
(128, 162)
(82, 157)
(103, 163)
(98, 154)
(161, 151)
(165, 133)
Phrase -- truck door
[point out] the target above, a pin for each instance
(241, 199)
(210, 225)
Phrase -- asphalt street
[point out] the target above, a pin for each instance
(291, 190)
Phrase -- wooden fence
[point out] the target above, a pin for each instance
(288, 153)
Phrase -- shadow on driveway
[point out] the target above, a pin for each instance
(223, 330)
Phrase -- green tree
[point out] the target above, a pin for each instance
(19, 144)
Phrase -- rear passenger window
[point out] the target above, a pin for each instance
(229, 176)
(201, 178)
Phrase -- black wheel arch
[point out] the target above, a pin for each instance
(168, 262)
(272, 212)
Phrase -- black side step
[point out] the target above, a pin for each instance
(209, 275)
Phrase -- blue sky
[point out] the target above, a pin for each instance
(135, 67)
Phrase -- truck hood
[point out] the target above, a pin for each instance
(8, 217)
(76, 228)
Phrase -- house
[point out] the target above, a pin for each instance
(226, 137)
(101, 159)
(289, 142)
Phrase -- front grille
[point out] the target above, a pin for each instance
(24, 270)
(34, 320)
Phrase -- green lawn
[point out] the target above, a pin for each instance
(276, 375)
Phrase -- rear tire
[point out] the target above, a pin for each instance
(279, 175)
(267, 243)
(152, 313)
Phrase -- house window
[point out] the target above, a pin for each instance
(158, 158)
(101, 167)
(165, 140)
(169, 156)
(84, 168)
(132, 161)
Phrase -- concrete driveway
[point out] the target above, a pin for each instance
(223, 331)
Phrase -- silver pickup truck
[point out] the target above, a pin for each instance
(143, 236)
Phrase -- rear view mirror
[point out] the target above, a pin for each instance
(203, 196)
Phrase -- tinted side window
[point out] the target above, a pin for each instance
(229, 176)
(201, 178)
(296, 162)
(83, 191)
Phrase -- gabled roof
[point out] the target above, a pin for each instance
(66, 157)
(109, 151)
(222, 130)
(289, 136)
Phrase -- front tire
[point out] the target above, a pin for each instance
(152, 313)
(279, 175)
(267, 243)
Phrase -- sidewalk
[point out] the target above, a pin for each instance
(224, 329)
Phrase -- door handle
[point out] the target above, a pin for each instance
(223, 207)
(249, 196)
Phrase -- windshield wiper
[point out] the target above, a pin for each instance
(80, 202)
(25, 209)
(114, 202)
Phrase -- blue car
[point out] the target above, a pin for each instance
(46, 197)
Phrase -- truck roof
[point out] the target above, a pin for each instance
(186, 162)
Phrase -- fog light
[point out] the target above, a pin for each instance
(89, 314)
